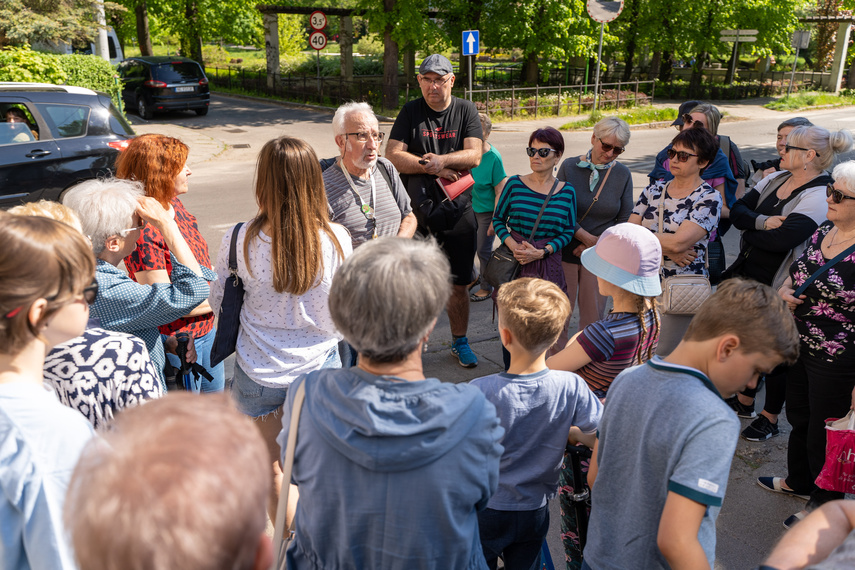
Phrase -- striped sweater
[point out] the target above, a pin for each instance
(518, 208)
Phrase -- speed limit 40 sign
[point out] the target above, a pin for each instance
(318, 40)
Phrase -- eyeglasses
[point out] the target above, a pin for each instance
(124, 233)
(681, 155)
(541, 152)
(788, 148)
(90, 293)
(363, 136)
(610, 147)
(836, 195)
(436, 82)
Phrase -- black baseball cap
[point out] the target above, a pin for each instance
(685, 108)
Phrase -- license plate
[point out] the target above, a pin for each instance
(183, 89)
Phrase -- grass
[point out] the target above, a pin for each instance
(637, 116)
(809, 99)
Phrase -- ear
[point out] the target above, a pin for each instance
(339, 141)
(506, 336)
(35, 314)
(113, 243)
(264, 553)
(727, 346)
(703, 164)
(453, 77)
(593, 139)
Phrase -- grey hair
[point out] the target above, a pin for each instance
(826, 144)
(794, 122)
(844, 175)
(343, 112)
(386, 296)
(712, 114)
(612, 126)
(486, 124)
(105, 207)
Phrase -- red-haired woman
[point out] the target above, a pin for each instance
(160, 163)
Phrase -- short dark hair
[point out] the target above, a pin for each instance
(795, 122)
(550, 136)
(700, 141)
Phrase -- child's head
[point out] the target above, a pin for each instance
(756, 316)
(627, 256)
(534, 311)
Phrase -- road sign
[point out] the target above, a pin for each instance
(801, 39)
(471, 43)
(604, 11)
(742, 36)
(318, 20)
(318, 40)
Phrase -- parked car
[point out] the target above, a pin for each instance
(162, 83)
(83, 46)
(71, 134)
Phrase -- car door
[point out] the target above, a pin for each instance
(28, 167)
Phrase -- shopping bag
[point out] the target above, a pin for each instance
(838, 473)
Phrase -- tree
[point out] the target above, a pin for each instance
(30, 21)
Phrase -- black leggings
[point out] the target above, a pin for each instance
(776, 390)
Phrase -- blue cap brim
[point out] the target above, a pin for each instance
(650, 286)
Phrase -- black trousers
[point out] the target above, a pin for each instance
(776, 390)
(816, 390)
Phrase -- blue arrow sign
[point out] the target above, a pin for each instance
(471, 45)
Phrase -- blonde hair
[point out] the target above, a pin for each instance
(292, 207)
(826, 144)
(534, 310)
(48, 209)
(764, 323)
(712, 114)
(180, 482)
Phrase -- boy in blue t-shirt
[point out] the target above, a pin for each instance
(667, 437)
(537, 407)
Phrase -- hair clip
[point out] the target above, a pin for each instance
(11, 314)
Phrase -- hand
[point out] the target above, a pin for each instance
(170, 344)
(589, 240)
(683, 259)
(786, 293)
(449, 174)
(490, 231)
(191, 350)
(768, 171)
(526, 253)
(151, 211)
(774, 222)
(579, 249)
(434, 163)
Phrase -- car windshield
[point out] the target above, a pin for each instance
(177, 73)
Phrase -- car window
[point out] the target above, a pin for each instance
(177, 72)
(118, 124)
(65, 120)
(15, 133)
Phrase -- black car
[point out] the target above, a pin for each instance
(157, 83)
(63, 135)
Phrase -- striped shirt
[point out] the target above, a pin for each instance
(519, 206)
(612, 343)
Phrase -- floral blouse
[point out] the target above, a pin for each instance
(826, 320)
(702, 206)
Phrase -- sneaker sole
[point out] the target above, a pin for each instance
(473, 365)
(745, 416)
(764, 438)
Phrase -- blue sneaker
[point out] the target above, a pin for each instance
(460, 349)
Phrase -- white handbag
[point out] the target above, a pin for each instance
(681, 294)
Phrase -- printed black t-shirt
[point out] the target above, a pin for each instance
(424, 130)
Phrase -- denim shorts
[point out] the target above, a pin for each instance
(254, 400)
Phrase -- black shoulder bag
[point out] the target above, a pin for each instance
(228, 323)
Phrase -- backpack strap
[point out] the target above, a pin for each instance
(384, 172)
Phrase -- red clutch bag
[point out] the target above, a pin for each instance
(454, 189)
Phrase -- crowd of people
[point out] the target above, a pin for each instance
(345, 270)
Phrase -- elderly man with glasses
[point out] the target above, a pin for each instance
(438, 136)
(364, 191)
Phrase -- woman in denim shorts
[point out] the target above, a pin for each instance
(286, 258)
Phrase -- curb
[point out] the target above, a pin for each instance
(292, 105)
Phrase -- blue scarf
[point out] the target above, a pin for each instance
(595, 170)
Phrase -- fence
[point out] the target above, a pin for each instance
(561, 99)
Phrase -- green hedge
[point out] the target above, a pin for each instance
(90, 71)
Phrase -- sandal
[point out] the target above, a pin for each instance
(476, 298)
(793, 519)
(776, 485)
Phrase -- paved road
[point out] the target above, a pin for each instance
(224, 145)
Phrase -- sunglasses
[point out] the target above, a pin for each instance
(90, 293)
(681, 155)
(610, 147)
(788, 148)
(688, 121)
(836, 195)
(541, 152)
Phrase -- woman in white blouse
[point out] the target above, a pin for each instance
(286, 258)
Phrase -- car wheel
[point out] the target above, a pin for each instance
(202, 112)
(143, 109)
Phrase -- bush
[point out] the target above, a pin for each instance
(90, 71)
(369, 44)
(331, 66)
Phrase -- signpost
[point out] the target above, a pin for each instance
(318, 39)
(602, 11)
(471, 48)
(737, 37)
(801, 40)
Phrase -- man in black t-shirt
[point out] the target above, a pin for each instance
(440, 135)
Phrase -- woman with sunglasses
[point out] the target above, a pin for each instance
(160, 163)
(45, 267)
(820, 384)
(776, 219)
(690, 211)
(520, 203)
(112, 213)
(603, 199)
